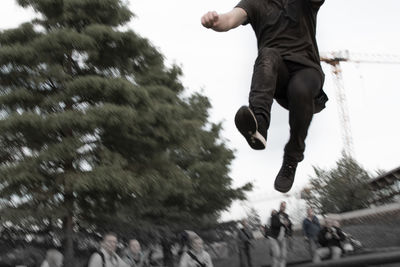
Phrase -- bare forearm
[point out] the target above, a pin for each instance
(224, 22)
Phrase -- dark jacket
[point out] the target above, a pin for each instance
(277, 222)
(245, 236)
(311, 228)
(331, 237)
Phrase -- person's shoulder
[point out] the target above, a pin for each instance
(121, 262)
(95, 259)
(248, 5)
(284, 214)
(316, 4)
(96, 254)
(184, 259)
(205, 253)
(100, 253)
(185, 254)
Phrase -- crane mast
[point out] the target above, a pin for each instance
(334, 59)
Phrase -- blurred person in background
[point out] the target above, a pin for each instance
(54, 258)
(107, 256)
(266, 229)
(195, 256)
(330, 238)
(134, 256)
(281, 229)
(245, 236)
(311, 228)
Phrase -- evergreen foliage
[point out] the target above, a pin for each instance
(95, 133)
(341, 189)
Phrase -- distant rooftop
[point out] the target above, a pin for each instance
(386, 187)
(386, 179)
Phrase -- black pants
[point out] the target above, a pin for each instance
(294, 86)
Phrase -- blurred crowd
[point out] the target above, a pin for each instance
(324, 240)
(192, 254)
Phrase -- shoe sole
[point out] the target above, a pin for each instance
(281, 189)
(246, 123)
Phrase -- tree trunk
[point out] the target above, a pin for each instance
(69, 259)
(168, 257)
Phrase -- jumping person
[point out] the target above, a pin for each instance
(287, 68)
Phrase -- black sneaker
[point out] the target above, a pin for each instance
(285, 178)
(246, 123)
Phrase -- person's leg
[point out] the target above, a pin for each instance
(253, 122)
(312, 246)
(263, 84)
(303, 86)
(321, 253)
(242, 262)
(336, 253)
(275, 252)
(248, 255)
(283, 252)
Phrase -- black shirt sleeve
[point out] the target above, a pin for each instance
(316, 4)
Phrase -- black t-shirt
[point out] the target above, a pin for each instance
(288, 26)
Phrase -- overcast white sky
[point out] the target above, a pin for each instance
(220, 66)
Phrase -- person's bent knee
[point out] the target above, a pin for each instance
(302, 94)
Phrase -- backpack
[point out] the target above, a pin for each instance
(103, 260)
(267, 231)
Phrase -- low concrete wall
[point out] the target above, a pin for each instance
(377, 227)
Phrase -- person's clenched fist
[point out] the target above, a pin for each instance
(209, 19)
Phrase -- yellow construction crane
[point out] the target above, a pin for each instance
(334, 59)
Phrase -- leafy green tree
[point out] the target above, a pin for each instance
(95, 133)
(340, 189)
